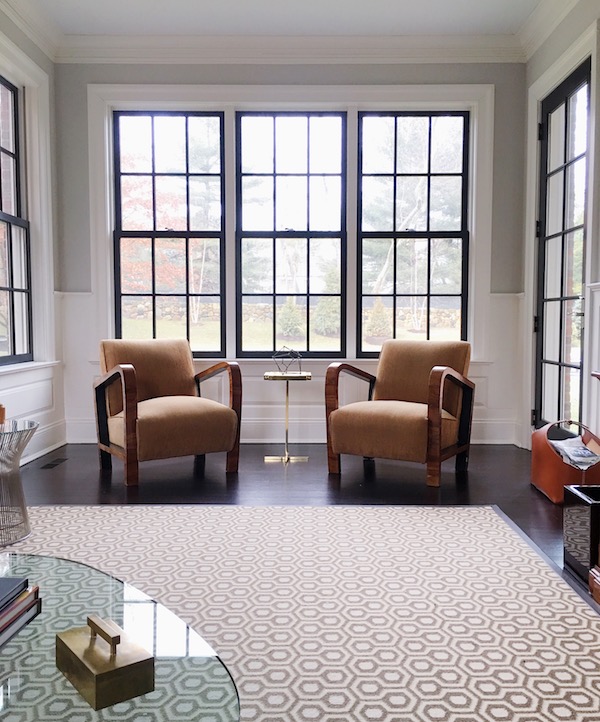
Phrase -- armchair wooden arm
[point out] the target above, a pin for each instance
(235, 401)
(332, 378)
(125, 374)
(438, 378)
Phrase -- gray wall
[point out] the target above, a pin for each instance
(74, 253)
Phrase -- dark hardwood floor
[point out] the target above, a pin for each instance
(498, 475)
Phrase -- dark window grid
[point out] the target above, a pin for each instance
(427, 234)
(288, 233)
(15, 121)
(154, 234)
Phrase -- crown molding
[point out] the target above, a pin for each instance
(46, 36)
(291, 50)
(542, 22)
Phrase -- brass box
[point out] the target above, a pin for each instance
(102, 675)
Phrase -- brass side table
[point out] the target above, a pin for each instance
(14, 520)
(287, 376)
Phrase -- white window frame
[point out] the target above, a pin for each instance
(477, 99)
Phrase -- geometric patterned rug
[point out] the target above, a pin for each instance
(346, 613)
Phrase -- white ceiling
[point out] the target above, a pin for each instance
(285, 17)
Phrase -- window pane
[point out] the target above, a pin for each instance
(7, 111)
(446, 265)
(325, 323)
(411, 317)
(556, 140)
(257, 265)
(377, 204)
(136, 265)
(170, 267)
(571, 380)
(447, 144)
(291, 323)
(411, 203)
(411, 265)
(9, 184)
(377, 322)
(290, 266)
(136, 203)
(446, 204)
(4, 269)
(291, 144)
(257, 323)
(171, 203)
(572, 331)
(553, 267)
(205, 203)
(551, 349)
(21, 322)
(205, 323)
(291, 203)
(578, 123)
(135, 136)
(204, 265)
(550, 408)
(377, 265)
(257, 144)
(574, 263)
(325, 203)
(377, 145)
(5, 325)
(444, 318)
(576, 186)
(413, 144)
(325, 151)
(171, 315)
(257, 204)
(554, 204)
(19, 258)
(136, 317)
(325, 265)
(204, 144)
(169, 144)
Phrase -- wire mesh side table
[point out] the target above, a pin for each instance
(14, 520)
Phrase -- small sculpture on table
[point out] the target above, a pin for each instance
(285, 359)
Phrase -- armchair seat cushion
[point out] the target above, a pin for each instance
(194, 426)
(387, 430)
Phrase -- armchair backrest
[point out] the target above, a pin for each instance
(163, 367)
(404, 367)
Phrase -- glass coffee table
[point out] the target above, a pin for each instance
(191, 682)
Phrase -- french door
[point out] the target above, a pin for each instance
(562, 249)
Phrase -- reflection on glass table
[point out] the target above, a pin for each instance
(191, 682)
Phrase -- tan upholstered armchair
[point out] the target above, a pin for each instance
(148, 406)
(419, 409)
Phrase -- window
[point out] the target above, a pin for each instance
(413, 237)
(15, 271)
(291, 233)
(331, 218)
(169, 237)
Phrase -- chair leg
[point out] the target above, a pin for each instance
(233, 460)
(333, 462)
(462, 461)
(105, 460)
(199, 464)
(132, 477)
(434, 473)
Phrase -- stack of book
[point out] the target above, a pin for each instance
(19, 604)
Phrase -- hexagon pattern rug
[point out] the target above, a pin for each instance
(337, 614)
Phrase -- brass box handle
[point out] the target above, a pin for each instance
(107, 629)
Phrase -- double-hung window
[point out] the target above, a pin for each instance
(413, 234)
(169, 236)
(15, 261)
